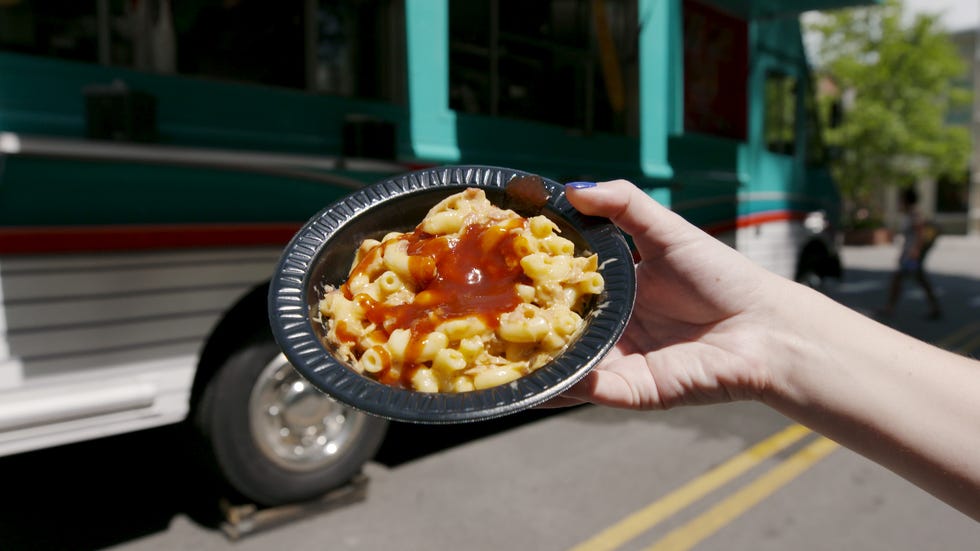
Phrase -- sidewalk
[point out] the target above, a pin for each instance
(952, 254)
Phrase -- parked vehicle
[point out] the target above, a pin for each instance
(155, 157)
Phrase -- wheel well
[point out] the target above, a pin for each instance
(247, 320)
(817, 256)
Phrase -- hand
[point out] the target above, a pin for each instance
(699, 331)
(711, 326)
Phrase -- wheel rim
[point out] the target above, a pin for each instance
(294, 424)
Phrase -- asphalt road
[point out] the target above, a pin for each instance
(735, 476)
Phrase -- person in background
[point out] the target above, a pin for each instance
(918, 238)
(715, 327)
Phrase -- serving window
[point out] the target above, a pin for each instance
(571, 63)
(715, 72)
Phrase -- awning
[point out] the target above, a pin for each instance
(763, 9)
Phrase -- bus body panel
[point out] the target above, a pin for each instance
(118, 258)
(97, 343)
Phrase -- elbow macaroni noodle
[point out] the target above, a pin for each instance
(475, 297)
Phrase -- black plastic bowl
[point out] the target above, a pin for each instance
(322, 251)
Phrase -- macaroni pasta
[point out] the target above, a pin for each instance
(475, 297)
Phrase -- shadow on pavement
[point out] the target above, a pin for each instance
(100, 493)
(407, 442)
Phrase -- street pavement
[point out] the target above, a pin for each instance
(733, 476)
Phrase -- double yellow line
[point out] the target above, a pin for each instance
(696, 530)
(686, 536)
(964, 341)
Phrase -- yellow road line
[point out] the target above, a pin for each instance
(652, 514)
(970, 345)
(698, 529)
(948, 340)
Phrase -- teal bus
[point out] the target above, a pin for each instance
(155, 156)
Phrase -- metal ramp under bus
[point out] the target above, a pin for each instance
(243, 519)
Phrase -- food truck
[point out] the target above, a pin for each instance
(155, 157)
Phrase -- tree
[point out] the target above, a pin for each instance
(897, 81)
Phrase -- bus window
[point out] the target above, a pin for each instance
(359, 49)
(127, 33)
(780, 121)
(340, 47)
(715, 71)
(66, 29)
(571, 63)
(816, 148)
(350, 48)
(243, 40)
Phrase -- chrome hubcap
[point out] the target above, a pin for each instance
(294, 424)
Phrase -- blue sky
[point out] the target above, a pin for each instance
(957, 14)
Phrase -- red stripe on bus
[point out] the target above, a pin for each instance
(60, 239)
(757, 219)
(412, 167)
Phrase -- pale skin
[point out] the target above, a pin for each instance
(715, 327)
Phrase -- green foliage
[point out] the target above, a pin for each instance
(897, 77)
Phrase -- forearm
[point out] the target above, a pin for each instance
(912, 407)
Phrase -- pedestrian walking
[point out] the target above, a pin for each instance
(918, 237)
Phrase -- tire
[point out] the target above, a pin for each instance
(274, 438)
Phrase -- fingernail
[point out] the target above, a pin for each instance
(580, 185)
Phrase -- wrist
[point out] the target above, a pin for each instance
(801, 338)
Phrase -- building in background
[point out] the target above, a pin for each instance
(957, 196)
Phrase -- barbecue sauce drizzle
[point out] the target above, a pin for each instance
(474, 275)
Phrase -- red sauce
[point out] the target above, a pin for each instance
(474, 275)
(343, 333)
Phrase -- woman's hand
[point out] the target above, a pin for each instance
(711, 326)
(698, 333)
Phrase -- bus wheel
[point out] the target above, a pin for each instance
(275, 438)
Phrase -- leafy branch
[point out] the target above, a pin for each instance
(899, 80)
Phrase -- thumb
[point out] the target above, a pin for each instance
(647, 221)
